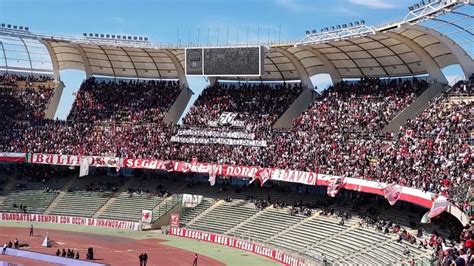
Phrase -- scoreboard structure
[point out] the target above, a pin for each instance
(224, 61)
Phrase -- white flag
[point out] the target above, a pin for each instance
(84, 167)
(212, 175)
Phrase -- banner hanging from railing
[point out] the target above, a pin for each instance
(74, 160)
(227, 241)
(412, 195)
(73, 220)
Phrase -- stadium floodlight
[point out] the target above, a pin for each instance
(113, 36)
(84, 34)
(27, 28)
(107, 36)
(351, 25)
(338, 27)
(417, 6)
(101, 35)
(9, 26)
(146, 38)
(357, 23)
(307, 32)
(314, 31)
(344, 26)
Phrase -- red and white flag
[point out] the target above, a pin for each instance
(12, 157)
(174, 220)
(438, 207)
(147, 216)
(392, 193)
(335, 184)
(263, 175)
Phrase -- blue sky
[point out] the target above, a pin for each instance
(179, 21)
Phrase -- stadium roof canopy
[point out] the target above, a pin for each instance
(24, 55)
(406, 50)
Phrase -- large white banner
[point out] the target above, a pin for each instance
(74, 160)
(228, 241)
(74, 220)
(191, 201)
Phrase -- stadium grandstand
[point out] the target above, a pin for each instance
(375, 169)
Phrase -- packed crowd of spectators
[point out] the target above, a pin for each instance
(137, 102)
(340, 133)
(24, 104)
(13, 79)
(257, 105)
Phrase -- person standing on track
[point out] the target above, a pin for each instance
(4, 250)
(140, 257)
(145, 259)
(195, 263)
(31, 230)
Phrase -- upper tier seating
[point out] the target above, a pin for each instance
(257, 105)
(123, 102)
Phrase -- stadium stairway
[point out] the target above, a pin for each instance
(112, 199)
(243, 224)
(104, 207)
(266, 224)
(54, 202)
(205, 212)
(415, 108)
(164, 207)
(288, 229)
(189, 214)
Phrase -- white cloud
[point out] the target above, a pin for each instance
(296, 6)
(379, 4)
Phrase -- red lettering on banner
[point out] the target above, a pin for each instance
(237, 243)
(50, 159)
(38, 158)
(60, 160)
